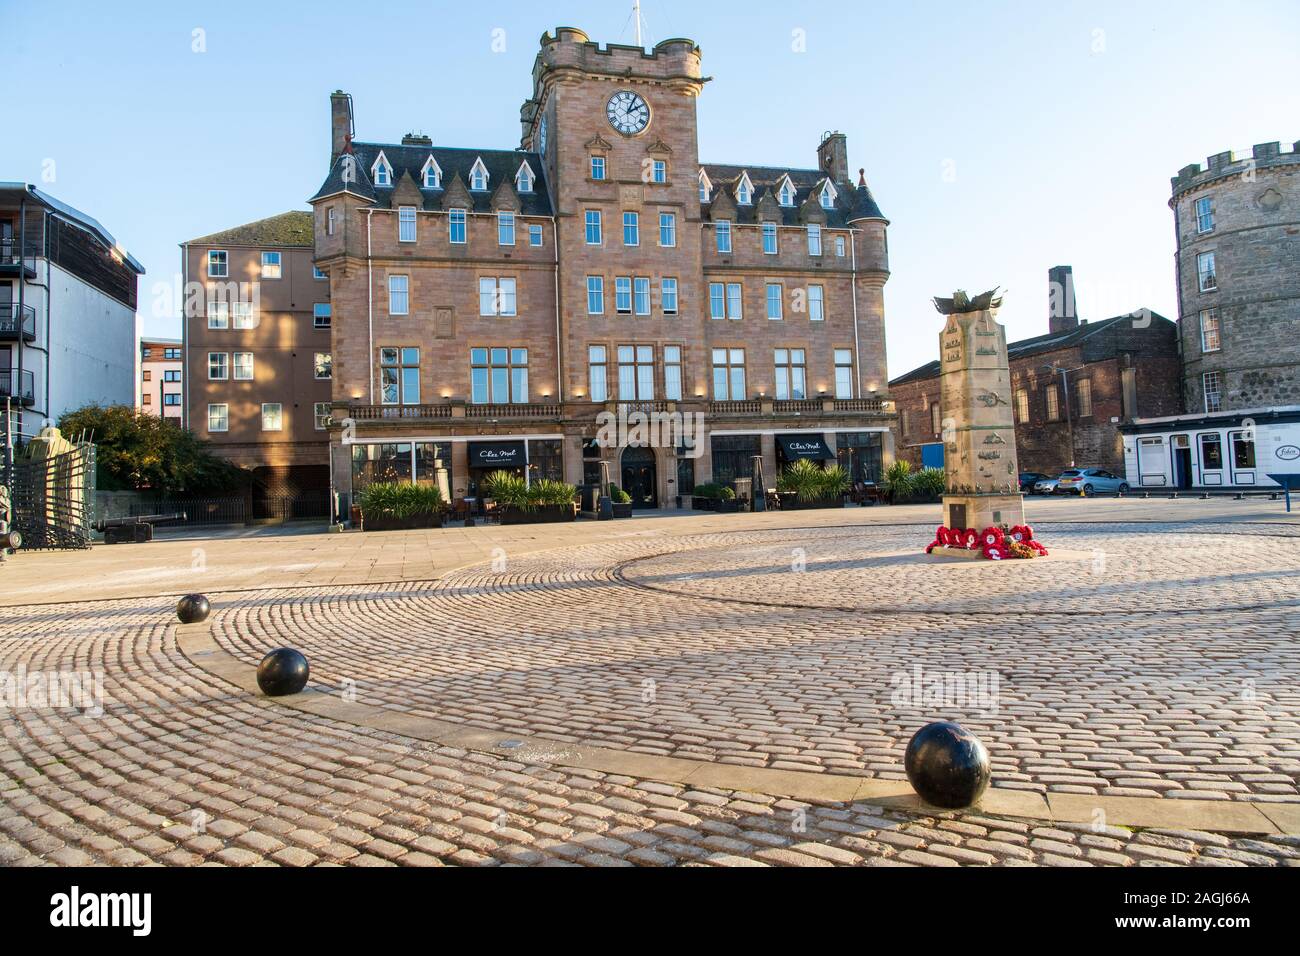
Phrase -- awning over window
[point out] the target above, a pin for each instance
(805, 446)
(497, 454)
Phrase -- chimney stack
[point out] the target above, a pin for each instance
(833, 157)
(340, 123)
(1063, 312)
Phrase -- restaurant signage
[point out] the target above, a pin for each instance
(497, 454)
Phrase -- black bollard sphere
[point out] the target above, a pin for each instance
(282, 672)
(193, 608)
(947, 765)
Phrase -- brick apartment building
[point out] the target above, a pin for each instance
(257, 351)
(68, 327)
(1117, 370)
(488, 304)
(162, 370)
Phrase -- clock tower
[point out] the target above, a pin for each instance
(616, 128)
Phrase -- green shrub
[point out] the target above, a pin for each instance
(714, 491)
(510, 490)
(930, 482)
(548, 491)
(399, 499)
(811, 483)
(898, 481)
(618, 495)
(142, 452)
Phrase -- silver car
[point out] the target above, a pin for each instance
(1045, 486)
(1090, 481)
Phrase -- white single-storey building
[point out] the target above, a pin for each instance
(1221, 451)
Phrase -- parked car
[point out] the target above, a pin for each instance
(1028, 479)
(1045, 486)
(1090, 481)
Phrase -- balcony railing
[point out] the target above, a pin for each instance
(735, 408)
(797, 405)
(861, 405)
(381, 412)
(17, 320)
(19, 386)
(513, 411)
(530, 411)
(373, 413)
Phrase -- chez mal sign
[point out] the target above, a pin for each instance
(496, 454)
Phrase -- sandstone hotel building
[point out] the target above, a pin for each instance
(488, 304)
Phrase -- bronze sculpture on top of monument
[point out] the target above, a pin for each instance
(979, 435)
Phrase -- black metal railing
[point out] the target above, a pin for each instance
(17, 320)
(10, 251)
(20, 386)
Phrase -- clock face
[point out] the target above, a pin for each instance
(627, 112)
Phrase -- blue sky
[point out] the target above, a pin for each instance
(1001, 138)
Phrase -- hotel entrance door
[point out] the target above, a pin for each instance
(639, 477)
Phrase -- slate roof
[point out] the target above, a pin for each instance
(851, 203)
(502, 164)
(1032, 346)
(292, 228)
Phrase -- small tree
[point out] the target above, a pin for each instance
(139, 452)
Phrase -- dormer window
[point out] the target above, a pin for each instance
(706, 187)
(381, 172)
(478, 176)
(744, 190)
(828, 196)
(431, 174)
(524, 178)
(787, 192)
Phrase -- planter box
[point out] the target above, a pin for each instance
(542, 514)
(703, 504)
(622, 510)
(388, 523)
(794, 503)
(728, 506)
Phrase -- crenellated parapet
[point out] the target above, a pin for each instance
(1222, 165)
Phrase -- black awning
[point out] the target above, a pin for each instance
(497, 454)
(813, 447)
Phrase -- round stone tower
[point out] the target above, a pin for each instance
(1237, 224)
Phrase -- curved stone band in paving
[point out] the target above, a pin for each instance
(618, 646)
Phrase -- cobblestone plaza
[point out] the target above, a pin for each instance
(691, 690)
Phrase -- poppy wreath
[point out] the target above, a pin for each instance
(996, 552)
(992, 537)
(1037, 547)
(1022, 533)
(941, 540)
(969, 539)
